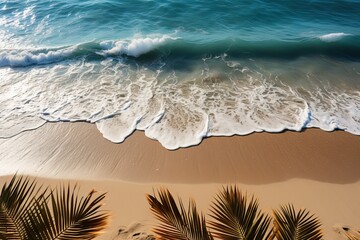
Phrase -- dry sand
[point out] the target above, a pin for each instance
(313, 169)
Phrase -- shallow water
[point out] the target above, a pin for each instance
(235, 68)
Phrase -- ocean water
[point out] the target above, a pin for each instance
(180, 70)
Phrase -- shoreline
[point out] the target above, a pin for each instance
(78, 150)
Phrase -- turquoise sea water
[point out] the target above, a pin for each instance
(180, 70)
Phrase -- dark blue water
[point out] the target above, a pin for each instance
(200, 68)
(47, 23)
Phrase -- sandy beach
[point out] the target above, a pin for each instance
(129, 97)
(313, 169)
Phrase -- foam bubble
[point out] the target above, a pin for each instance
(333, 37)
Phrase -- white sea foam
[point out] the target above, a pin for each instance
(333, 37)
(26, 57)
(134, 47)
(334, 110)
(216, 98)
(22, 58)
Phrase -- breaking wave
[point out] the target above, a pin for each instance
(334, 45)
(333, 37)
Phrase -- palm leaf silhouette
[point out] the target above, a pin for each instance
(352, 235)
(237, 218)
(290, 225)
(15, 198)
(57, 214)
(177, 224)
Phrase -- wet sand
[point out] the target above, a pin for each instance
(77, 150)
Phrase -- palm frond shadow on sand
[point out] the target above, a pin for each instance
(28, 212)
(177, 223)
(234, 216)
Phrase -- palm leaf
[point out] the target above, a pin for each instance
(352, 235)
(15, 198)
(290, 225)
(67, 217)
(177, 224)
(237, 218)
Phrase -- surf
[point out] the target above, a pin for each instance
(172, 47)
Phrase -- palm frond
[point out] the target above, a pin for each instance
(347, 232)
(290, 225)
(352, 235)
(238, 218)
(176, 222)
(67, 217)
(15, 197)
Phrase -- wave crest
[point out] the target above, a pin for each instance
(23, 58)
(333, 37)
(155, 47)
(134, 47)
